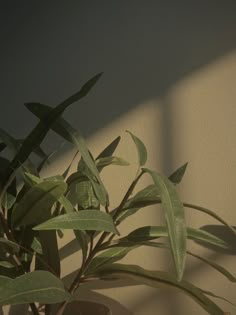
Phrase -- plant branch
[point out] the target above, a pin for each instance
(34, 309)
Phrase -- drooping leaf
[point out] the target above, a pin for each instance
(126, 242)
(218, 297)
(110, 160)
(109, 256)
(37, 135)
(66, 172)
(210, 213)
(175, 219)
(92, 220)
(146, 233)
(214, 265)
(177, 176)
(37, 286)
(37, 202)
(142, 151)
(159, 279)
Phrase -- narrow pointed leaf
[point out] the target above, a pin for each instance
(216, 266)
(146, 233)
(50, 253)
(83, 220)
(110, 160)
(8, 201)
(174, 215)
(177, 176)
(36, 204)
(159, 279)
(10, 245)
(210, 213)
(110, 149)
(82, 239)
(37, 286)
(142, 151)
(126, 242)
(37, 135)
(218, 297)
(109, 256)
(66, 172)
(6, 264)
(64, 129)
(65, 203)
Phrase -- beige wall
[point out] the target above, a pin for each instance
(197, 124)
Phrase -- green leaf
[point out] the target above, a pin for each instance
(152, 232)
(132, 242)
(110, 160)
(217, 267)
(84, 171)
(37, 286)
(218, 297)
(6, 264)
(159, 279)
(210, 213)
(83, 220)
(81, 192)
(64, 129)
(145, 197)
(50, 253)
(110, 149)
(142, 151)
(32, 180)
(174, 215)
(8, 201)
(37, 135)
(9, 245)
(36, 245)
(66, 172)
(107, 257)
(82, 239)
(37, 202)
(177, 176)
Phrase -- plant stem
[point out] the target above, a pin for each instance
(34, 309)
(126, 197)
(94, 250)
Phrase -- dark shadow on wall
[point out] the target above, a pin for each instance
(50, 48)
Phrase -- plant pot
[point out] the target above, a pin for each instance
(87, 308)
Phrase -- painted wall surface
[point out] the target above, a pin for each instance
(169, 77)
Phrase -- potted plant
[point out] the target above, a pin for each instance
(35, 211)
